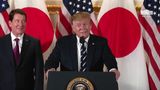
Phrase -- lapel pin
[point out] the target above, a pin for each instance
(26, 40)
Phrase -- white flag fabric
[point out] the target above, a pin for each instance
(118, 23)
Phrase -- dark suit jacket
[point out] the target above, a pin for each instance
(29, 73)
(65, 53)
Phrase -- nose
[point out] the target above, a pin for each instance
(21, 23)
(82, 26)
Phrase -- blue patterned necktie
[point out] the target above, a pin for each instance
(16, 51)
(83, 63)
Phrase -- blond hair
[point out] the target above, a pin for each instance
(80, 15)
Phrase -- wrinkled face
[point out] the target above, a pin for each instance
(18, 24)
(81, 27)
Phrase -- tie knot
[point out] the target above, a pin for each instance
(82, 40)
(16, 39)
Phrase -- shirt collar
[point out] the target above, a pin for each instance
(86, 39)
(19, 37)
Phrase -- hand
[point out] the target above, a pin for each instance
(46, 75)
(117, 73)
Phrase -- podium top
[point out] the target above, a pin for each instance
(73, 80)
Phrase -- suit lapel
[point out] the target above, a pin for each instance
(9, 50)
(25, 45)
(91, 50)
(73, 49)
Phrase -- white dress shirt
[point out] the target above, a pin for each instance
(13, 37)
(79, 50)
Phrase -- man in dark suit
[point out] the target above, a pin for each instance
(21, 61)
(70, 54)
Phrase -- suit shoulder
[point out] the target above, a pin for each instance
(99, 38)
(3, 38)
(66, 38)
(30, 38)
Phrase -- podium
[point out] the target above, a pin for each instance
(81, 81)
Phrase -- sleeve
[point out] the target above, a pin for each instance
(39, 70)
(54, 58)
(108, 57)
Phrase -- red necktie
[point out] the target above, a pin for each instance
(16, 51)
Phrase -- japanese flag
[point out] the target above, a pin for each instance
(39, 24)
(118, 23)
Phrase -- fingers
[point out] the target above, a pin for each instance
(117, 73)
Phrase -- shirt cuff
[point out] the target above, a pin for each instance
(112, 69)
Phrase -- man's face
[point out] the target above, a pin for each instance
(81, 27)
(18, 24)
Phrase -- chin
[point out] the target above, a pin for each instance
(84, 36)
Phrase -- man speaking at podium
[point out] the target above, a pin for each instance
(81, 51)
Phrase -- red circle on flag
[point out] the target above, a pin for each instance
(39, 26)
(122, 31)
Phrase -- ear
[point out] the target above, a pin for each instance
(10, 23)
(91, 23)
(72, 27)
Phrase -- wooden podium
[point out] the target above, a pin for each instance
(81, 81)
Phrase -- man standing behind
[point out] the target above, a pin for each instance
(81, 51)
(21, 61)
